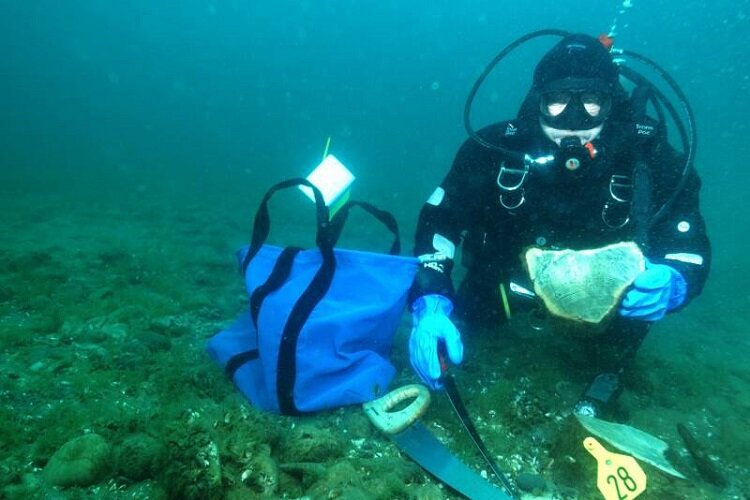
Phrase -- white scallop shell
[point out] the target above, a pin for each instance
(584, 285)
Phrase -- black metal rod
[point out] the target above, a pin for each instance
(455, 398)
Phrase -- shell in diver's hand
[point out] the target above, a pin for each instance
(584, 285)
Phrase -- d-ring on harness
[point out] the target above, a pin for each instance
(621, 194)
(510, 180)
(514, 173)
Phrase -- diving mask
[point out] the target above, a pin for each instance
(574, 110)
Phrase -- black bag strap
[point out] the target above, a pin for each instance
(235, 362)
(315, 291)
(278, 277)
(262, 222)
(386, 218)
(287, 362)
(286, 368)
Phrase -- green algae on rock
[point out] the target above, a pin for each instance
(82, 461)
(140, 457)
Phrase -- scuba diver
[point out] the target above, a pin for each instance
(582, 166)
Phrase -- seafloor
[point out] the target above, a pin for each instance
(109, 295)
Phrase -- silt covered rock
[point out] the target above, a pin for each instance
(82, 461)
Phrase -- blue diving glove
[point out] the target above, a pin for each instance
(656, 291)
(431, 325)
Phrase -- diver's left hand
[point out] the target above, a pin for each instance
(656, 291)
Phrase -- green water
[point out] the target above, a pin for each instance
(135, 143)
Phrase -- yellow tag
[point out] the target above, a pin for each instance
(619, 477)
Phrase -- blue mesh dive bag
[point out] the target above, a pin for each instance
(321, 322)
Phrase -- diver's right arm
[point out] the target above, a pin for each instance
(453, 207)
(446, 213)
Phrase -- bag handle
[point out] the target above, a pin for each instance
(316, 289)
(262, 222)
(386, 218)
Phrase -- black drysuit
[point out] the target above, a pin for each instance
(557, 209)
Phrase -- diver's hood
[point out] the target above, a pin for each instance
(576, 57)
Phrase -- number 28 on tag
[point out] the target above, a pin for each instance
(619, 477)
